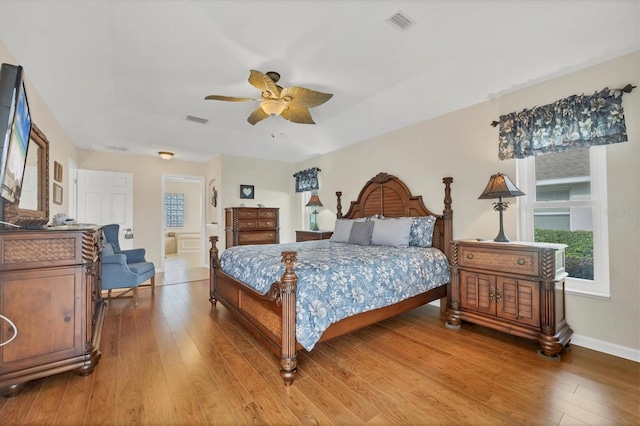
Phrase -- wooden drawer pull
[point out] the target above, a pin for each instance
(469, 256)
(521, 261)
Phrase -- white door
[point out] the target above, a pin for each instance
(104, 198)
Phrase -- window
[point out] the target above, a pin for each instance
(566, 202)
(173, 210)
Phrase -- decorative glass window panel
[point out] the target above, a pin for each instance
(174, 210)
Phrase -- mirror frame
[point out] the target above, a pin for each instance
(24, 217)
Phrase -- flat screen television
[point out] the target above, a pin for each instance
(15, 129)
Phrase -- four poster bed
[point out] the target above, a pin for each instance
(268, 286)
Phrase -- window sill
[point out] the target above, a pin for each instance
(585, 288)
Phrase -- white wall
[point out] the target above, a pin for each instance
(273, 186)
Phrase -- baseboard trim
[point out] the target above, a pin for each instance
(606, 347)
(595, 344)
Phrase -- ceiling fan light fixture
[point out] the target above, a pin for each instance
(165, 155)
(272, 107)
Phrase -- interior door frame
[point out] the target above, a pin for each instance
(187, 179)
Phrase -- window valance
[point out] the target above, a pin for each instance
(574, 122)
(307, 180)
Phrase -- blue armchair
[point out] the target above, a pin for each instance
(123, 269)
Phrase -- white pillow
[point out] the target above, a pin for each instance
(391, 232)
(342, 230)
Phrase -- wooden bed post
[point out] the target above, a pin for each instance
(447, 216)
(339, 206)
(288, 357)
(214, 263)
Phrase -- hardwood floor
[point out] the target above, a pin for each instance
(174, 359)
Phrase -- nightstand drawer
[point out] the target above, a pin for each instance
(513, 261)
(312, 235)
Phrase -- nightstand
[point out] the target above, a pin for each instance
(514, 287)
(312, 235)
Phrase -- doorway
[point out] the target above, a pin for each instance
(183, 229)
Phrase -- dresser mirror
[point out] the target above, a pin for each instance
(33, 208)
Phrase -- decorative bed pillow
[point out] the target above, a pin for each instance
(361, 233)
(422, 231)
(391, 232)
(342, 229)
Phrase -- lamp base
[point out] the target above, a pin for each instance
(314, 225)
(501, 238)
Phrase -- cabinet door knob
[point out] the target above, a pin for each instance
(521, 261)
(469, 256)
(244, 237)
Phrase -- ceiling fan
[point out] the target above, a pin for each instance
(291, 103)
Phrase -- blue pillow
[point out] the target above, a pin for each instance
(361, 233)
(422, 231)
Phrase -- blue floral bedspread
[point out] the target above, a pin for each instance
(338, 280)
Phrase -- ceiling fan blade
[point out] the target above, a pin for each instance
(264, 83)
(228, 98)
(297, 115)
(257, 115)
(303, 98)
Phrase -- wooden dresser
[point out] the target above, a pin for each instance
(50, 290)
(251, 225)
(517, 288)
(312, 235)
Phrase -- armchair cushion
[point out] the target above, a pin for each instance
(118, 259)
(134, 255)
(141, 268)
(107, 249)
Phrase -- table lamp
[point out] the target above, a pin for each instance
(500, 186)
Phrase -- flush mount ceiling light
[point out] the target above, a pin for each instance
(165, 155)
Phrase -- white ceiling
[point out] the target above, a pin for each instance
(126, 74)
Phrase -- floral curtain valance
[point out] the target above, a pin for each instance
(307, 180)
(574, 122)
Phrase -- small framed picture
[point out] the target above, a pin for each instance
(57, 194)
(246, 191)
(57, 171)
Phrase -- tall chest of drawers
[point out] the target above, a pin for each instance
(251, 225)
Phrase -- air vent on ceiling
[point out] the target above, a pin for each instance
(197, 119)
(115, 148)
(400, 21)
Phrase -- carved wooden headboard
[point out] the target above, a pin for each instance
(386, 195)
